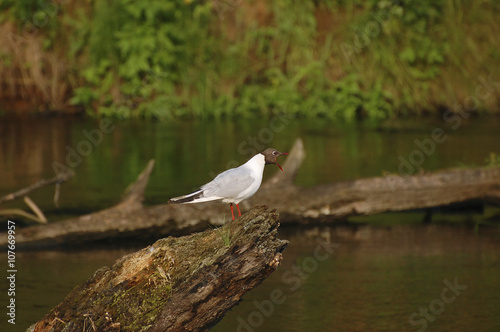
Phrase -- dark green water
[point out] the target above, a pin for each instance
(374, 279)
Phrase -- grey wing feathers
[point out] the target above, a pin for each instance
(228, 184)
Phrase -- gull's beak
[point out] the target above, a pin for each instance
(281, 153)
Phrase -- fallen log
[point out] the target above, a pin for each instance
(130, 219)
(386, 194)
(101, 225)
(177, 284)
(323, 203)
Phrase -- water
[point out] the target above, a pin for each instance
(190, 153)
(374, 280)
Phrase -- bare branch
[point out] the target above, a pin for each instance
(62, 177)
(35, 209)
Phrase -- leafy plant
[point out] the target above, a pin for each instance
(168, 58)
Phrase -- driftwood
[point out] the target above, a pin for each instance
(62, 177)
(38, 215)
(176, 284)
(324, 203)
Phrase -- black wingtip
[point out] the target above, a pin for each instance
(185, 199)
(181, 200)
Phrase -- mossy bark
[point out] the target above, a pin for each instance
(176, 284)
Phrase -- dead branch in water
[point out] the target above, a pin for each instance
(62, 177)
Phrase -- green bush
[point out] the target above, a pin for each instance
(173, 58)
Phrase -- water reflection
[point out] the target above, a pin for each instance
(190, 153)
(44, 278)
(374, 280)
(371, 279)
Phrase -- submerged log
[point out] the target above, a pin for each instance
(177, 284)
(386, 194)
(324, 203)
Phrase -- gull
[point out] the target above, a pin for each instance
(235, 184)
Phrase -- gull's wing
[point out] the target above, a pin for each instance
(229, 183)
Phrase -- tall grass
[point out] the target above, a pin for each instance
(166, 58)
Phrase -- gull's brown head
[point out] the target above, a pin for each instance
(270, 156)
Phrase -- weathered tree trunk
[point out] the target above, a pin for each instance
(177, 284)
(324, 203)
(386, 194)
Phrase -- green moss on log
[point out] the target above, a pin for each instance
(185, 281)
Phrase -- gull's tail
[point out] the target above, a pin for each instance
(195, 197)
(189, 198)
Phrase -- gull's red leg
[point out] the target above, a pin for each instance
(232, 212)
(239, 212)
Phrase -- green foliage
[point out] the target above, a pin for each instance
(172, 58)
(168, 62)
(139, 52)
(406, 47)
(33, 15)
(493, 160)
(422, 52)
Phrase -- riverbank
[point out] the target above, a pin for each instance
(334, 59)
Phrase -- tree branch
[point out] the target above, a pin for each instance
(62, 177)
